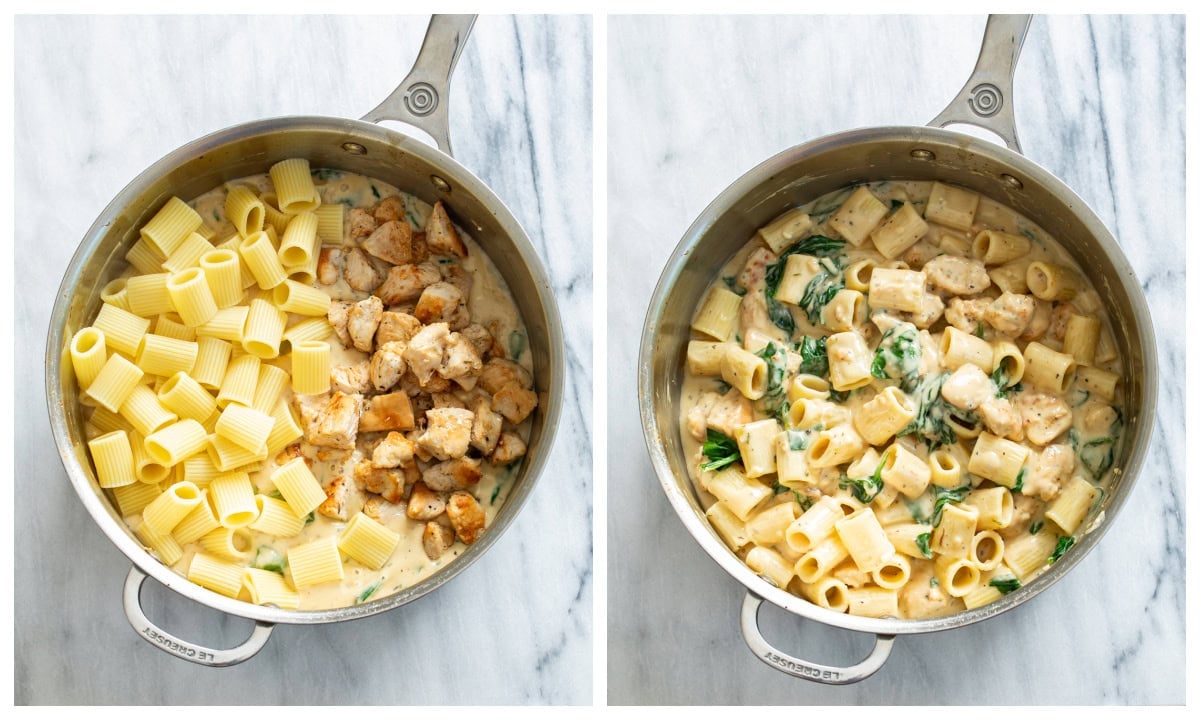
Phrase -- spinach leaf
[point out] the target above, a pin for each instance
(1064, 544)
(1097, 456)
(1036, 527)
(780, 316)
(720, 449)
(797, 440)
(942, 497)
(898, 356)
(814, 359)
(821, 289)
(866, 489)
(776, 358)
(268, 558)
(1005, 585)
(366, 594)
(932, 410)
(731, 283)
(923, 545)
(1017, 487)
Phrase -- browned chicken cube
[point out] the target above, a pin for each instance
(336, 425)
(448, 433)
(387, 412)
(438, 303)
(391, 241)
(396, 327)
(425, 504)
(515, 403)
(440, 233)
(509, 449)
(485, 432)
(393, 451)
(360, 273)
(466, 515)
(389, 209)
(361, 223)
(436, 539)
(404, 283)
(384, 482)
(362, 320)
(457, 474)
(387, 365)
(425, 350)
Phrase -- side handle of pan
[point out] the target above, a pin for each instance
(986, 100)
(172, 645)
(797, 667)
(422, 97)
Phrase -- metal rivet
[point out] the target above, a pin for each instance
(354, 148)
(439, 183)
(1011, 181)
(923, 155)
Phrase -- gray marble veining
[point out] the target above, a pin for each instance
(694, 102)
(98, 99)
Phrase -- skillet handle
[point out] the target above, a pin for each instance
(986, 100)
(797, 667)
(421, 99)
(168, 643)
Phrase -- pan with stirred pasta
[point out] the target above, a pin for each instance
(901, 400)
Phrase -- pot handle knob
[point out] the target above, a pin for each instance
(986, 100)
(797, 667)
(422, 98)
(168, 643)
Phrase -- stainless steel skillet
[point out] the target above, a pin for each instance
(360, 146)
(804, 172)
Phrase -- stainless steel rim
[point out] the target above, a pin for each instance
(85, 484)
(651, 392)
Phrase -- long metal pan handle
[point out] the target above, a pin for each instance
(797, 667)
(168, 643)
(986, 100)
(423, 97)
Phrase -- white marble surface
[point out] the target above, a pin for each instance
(100, 99)
(694, 102)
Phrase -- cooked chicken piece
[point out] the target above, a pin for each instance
(448, 433)
(957, 275)
(966, 314)
(438, 303)
(466, 516)
(499, 372)
(391, 241)
(361, 223)
(1051, 471)
(336, 425)
(328, 265)
(447, 400)
(425, 504)
(457, 474)
(393, 411)
(917, 255)
(485, 431)
(460, 360)
(754, 272)
(440, 234)
(510, 447)
(968, 387)
(459, 319)
(931, 311)
(1010, 313)
(395, 326)
(1025, 508)
(1040, 321)
(359, 271)
(389, 209)
(351, 378)
(384, 482)
(425, 351)
(1046, 416)
(404, 283)
(920, 598)
(1002, 418)
(334, 505)
(413, 386)
(697, 418)
(457, 275)
(850, 574)
(729, 411)
(387, 365)
(479, 337)
(339, 314)
(1098, 417)
(291, 452)
(362, 321)
(393, 451)
(420, 247)
(371, 507)
(436, 539)
(1058, 320)
(514, 403)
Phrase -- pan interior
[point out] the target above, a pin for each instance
(801, 174)
(250, 149)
